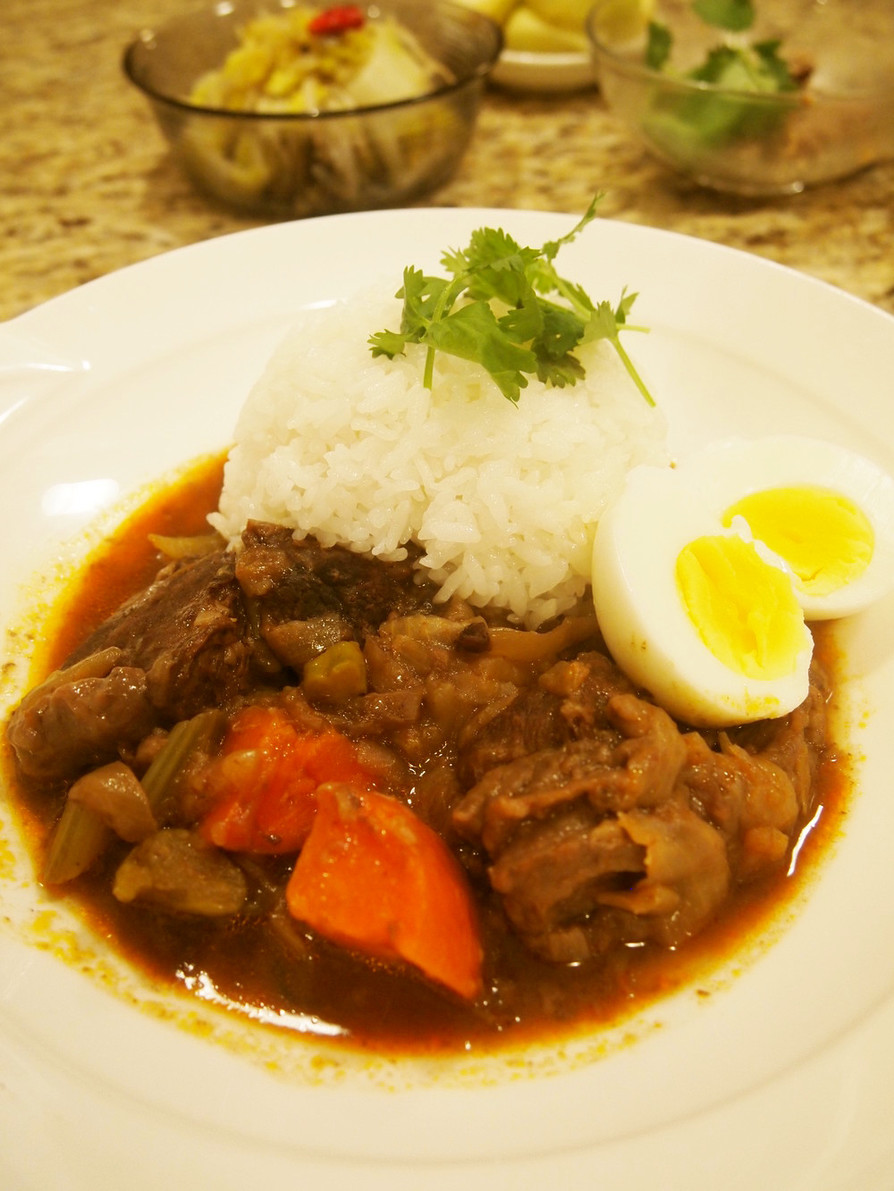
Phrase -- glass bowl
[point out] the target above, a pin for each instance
(289, 165)
(839, 120)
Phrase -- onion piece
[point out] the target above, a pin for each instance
(115, 795)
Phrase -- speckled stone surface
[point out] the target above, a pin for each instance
(86, 184)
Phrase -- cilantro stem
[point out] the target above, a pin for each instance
(428, 374)
(443, 305)
(631, 367)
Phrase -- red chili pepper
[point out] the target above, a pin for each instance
(333, 21)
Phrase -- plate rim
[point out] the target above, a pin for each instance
(92, 293)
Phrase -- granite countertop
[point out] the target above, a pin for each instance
(87, 185)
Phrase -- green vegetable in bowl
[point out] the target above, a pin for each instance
(737, 73)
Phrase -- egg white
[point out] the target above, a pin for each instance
(725, 472)
(643, 618)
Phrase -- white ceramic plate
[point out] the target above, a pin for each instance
(521, 70)
(782, 1078)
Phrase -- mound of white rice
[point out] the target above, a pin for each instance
(503, 499)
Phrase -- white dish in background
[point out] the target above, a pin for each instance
(521, 70)
(782, 1078)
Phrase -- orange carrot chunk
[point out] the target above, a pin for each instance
(372, 876)
(264, 783)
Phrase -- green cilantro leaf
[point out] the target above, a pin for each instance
(774, 66)
(560, 333)
(658, 46)
(506, 308)
(732, 15)
(473, 333)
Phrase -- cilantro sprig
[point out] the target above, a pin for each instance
(505, 307)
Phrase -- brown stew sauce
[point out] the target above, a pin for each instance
(318, 989)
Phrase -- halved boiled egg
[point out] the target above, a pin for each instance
(700, 615)
(828, 512)
(704, 574)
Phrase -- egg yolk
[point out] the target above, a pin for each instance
(822, 535)
(744, 609)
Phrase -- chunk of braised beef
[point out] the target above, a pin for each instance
(585, 685)
(378, 715)
(525, 721)
(756, 782)
(533, 787)
(287, 580)
(633, 760)
(577, 884)
(747, 797)
(567, 702)
(794, 742)
(551, 876)
(188, 632)
(80, 717)
(179, 646)
(590, 843)
(175, 870)
(428, 683)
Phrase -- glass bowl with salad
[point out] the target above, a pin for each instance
(755, 97)
(291, 108)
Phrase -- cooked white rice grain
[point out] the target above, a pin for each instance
(503, 499)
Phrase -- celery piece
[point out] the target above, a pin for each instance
(183, 739)
(78, 838)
